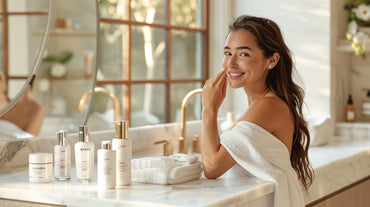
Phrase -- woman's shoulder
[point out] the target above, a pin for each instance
(270, 112)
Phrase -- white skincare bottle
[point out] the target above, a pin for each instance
(122, 145)
(62, 157)
(106, 166)
(84, 156)
(229, 123)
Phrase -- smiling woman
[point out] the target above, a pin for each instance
(271, 138)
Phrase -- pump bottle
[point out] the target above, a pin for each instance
(62, 157)
(122, 145)
(84, 155)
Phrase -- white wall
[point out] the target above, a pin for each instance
(306, 28)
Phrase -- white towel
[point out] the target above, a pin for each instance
(166, 170)
(266, 157)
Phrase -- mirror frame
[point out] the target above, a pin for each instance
(36, 66)
(33, 74)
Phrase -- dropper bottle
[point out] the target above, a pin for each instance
(122, 145)
(350, 112)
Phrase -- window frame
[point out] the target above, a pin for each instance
(128, 83)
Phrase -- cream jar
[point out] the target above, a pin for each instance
(40, 167)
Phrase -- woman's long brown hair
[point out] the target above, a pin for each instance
(280, 81)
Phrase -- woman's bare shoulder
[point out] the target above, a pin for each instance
(270, 112)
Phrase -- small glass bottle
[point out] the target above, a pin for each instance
(62, 157)
(84, 155)
(350, 112)
(106, 166)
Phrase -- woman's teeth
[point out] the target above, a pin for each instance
(235, 74)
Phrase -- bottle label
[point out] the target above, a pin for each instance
(123, 162)
(351, 115)
(62, 163)
(85, 162)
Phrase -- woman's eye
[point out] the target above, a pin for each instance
(227, 53)
(244, 54)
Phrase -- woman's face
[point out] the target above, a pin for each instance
(244, 61)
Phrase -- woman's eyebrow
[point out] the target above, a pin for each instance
(239, 48)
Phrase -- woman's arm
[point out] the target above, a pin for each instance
(216, 159)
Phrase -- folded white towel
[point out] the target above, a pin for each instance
(163, 162)
(153, 162)
(184, 158)
(179, 174)
(266, 157)
(166, 170)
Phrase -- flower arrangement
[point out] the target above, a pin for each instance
(359, 17)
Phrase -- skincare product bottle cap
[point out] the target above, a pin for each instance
(62, 137)
(84, 133)
(107, 145)
(121, 129)
(349, 101)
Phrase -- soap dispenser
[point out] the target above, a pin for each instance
(122, 145)
(366, 106)
(350, 112)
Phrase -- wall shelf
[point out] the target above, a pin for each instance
(345, 46)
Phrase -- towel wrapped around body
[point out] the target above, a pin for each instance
(264, 156)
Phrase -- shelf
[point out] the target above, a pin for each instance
(345, 46)
(65, 32)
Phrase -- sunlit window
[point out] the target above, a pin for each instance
(152, 53)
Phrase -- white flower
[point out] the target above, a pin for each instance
(362, 12)
(352, 27)
(361, 39)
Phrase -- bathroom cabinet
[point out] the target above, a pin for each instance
(357, 195)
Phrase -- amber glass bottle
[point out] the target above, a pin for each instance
(350, 112)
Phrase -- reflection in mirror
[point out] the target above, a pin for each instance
(67, 70)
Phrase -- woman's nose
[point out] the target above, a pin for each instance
(230, 61)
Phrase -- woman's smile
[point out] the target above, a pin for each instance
(234, 75)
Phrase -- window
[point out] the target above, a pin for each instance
(18, 19)
(152, 54)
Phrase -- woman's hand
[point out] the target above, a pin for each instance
(214, 91)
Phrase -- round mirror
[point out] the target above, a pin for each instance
(42, 87)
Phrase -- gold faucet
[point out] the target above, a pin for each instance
(102, 90)
(183, 143)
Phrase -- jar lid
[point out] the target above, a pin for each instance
(40, 157)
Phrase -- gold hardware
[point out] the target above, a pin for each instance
(195, 143)
(102, 90)
(183, 145)
(167, 147)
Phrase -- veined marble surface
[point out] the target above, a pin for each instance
(202, 192)
(340, 163)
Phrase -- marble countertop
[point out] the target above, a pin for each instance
(200, 192)
(338, 164)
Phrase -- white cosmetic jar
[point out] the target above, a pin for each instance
(40, 167)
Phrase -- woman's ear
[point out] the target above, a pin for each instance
(273, 61)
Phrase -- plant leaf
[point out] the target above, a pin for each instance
(64, 57)
(49, 59)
